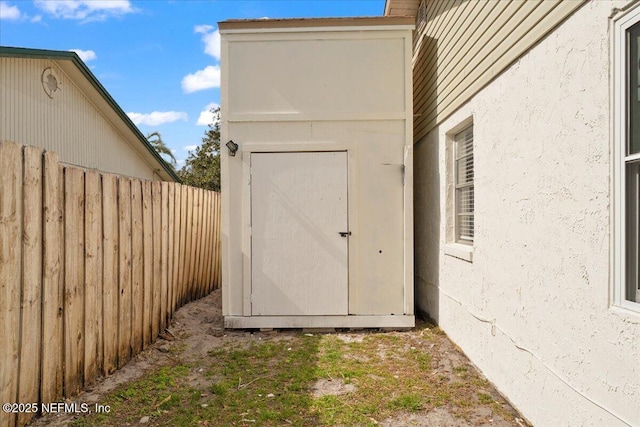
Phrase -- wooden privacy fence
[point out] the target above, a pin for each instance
(92, 267)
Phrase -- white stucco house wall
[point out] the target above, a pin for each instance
(527, 150)
(50, 99)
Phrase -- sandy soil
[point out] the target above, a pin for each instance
(197, 328)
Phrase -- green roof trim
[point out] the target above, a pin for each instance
(21, 52)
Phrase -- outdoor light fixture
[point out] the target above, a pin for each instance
(233, 147)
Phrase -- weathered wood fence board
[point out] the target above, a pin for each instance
(137, 267)
(10, 272)
(92, 268)
(73, 281)
(110, 272)
(124, 271)
(51, 376)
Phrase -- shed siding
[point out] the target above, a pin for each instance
(463, 45)
(69, 124)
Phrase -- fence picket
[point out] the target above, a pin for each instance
(193, 266)
(183, 242)
(201, 247)
(110, 272)
(157, 244)
(206, 244)
(137, 267)
(93, 274)
(147, 247)
(175, 297)
(52, 245)
(73, 281)
(124, 272)
(217, 275)
(188, 247)
(29, 369)
(10, 271)
(164, 242)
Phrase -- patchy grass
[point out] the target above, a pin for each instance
(275, 380)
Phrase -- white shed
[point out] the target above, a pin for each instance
(317, 213)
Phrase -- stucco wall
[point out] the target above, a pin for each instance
(533, 310)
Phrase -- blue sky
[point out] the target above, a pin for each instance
(158, 59)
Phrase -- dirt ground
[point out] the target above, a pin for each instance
(197, 329)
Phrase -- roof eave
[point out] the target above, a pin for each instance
(314, 23)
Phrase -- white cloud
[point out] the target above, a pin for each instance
(210, 38)
(36, 18)
(202, 79)
(10, 13)
(85, 55)
(206, 116)
(190, 147)
(86, 10)
(202, 28)
(157, 117)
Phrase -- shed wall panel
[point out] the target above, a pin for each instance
(336, 76)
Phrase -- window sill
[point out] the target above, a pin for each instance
(627, 308)
(458, 250)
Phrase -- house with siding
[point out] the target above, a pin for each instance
(50, 99)
(526, 206)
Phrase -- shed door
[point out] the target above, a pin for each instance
(298, 258)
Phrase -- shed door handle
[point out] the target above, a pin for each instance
(344, 233)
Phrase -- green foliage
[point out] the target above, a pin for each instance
(202, 167)
(155, 139)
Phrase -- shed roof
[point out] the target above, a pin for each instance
(268, 24)
(401, 7)
(76, 69)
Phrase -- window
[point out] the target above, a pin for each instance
(460, 198)
(627, 159)
(464, 186)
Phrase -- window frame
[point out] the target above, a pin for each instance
(620, 95)
(459, 186)
(453, 247)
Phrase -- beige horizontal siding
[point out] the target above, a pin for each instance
(68, 124)
(464, 44)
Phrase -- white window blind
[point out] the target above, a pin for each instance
(464, 197)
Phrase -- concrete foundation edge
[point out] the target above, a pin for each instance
(242, 322)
